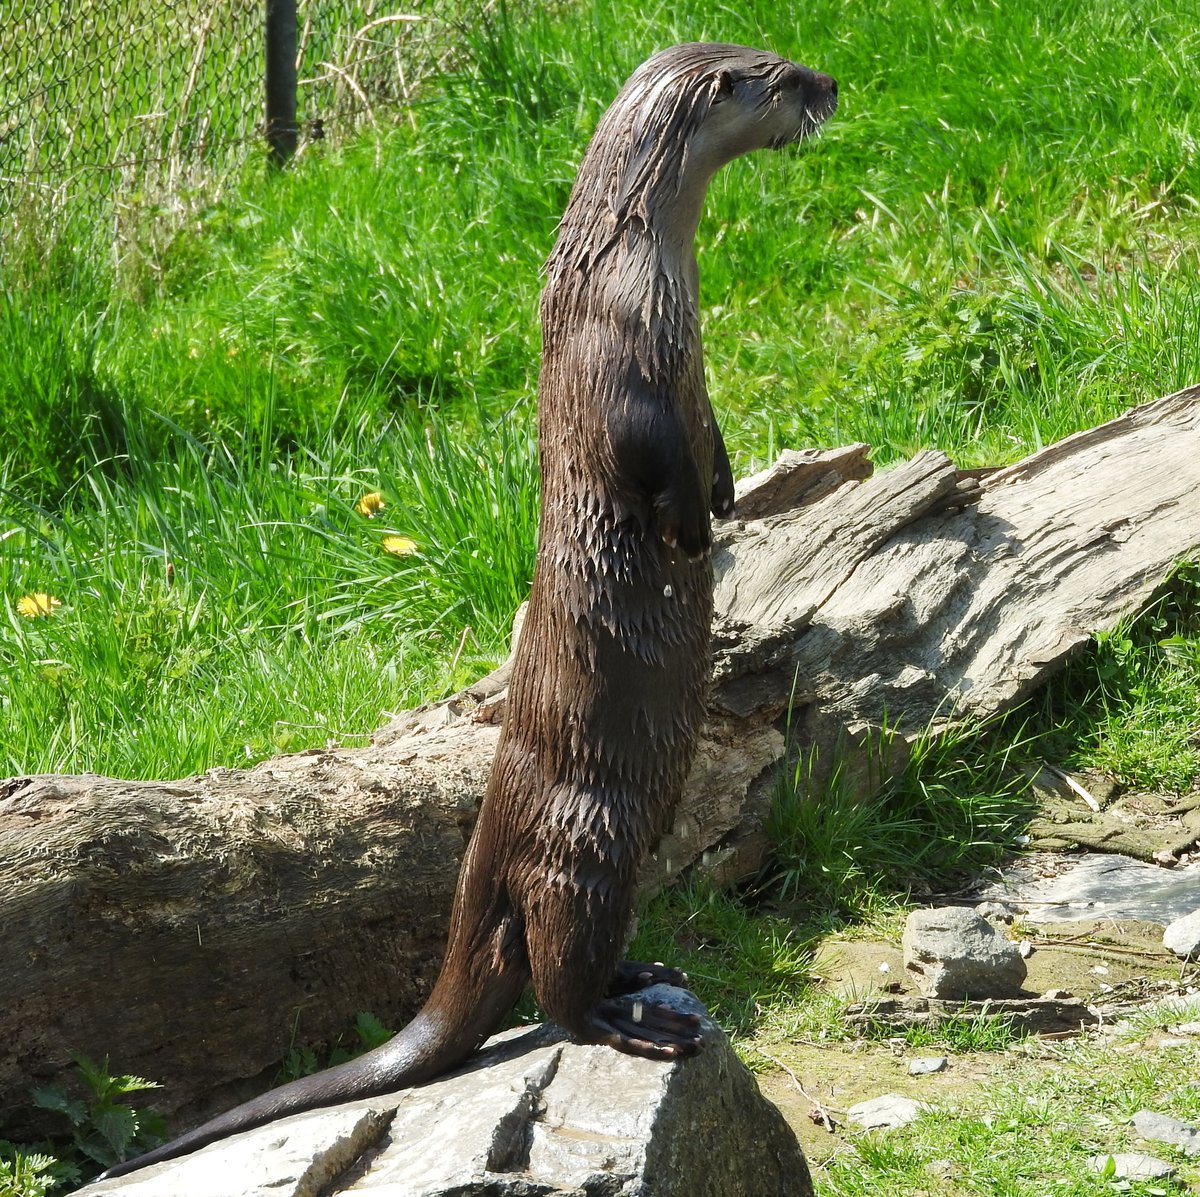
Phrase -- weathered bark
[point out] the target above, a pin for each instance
(1032, 1016)
(184, 928)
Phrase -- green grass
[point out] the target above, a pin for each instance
(956, 806)
(1130, 709)
(740, 962)
(222, 605)
(993, 245)
(1030, 1131)
(961, 1035)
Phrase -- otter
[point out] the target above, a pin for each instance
(609, 673)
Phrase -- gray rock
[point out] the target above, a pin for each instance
(952, 952)
(997, 912)
(297, 1157)
(533, 1115)
(1183, 935)
(1181, 1008)
(1150, 1124)
(1052, 888)
(887, 1112)
(924, 1065)
(1131, 1165)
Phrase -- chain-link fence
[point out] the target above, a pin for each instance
(106, 104)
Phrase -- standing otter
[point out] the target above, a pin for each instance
(607, 688)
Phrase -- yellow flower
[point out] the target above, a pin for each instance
(371, 503)
(399, 546)
(33, 605)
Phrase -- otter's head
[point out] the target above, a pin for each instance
(693, 107)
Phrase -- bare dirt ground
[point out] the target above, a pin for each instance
(1117, 966)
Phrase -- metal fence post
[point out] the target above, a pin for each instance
(280, 78)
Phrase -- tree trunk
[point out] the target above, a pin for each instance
(188, 930)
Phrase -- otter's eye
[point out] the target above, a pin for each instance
(724, 87)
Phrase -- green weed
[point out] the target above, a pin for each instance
(222, 605)
(104, 1130)
(27, 1172)
(300, 1061)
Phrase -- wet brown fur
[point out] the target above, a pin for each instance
(608, 681)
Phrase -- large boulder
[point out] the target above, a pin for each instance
(532, 1115)
(953, 952)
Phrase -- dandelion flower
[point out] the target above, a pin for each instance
(370, 504)
(33, 605)
(399, 546)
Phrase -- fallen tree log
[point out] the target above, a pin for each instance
(188, 929)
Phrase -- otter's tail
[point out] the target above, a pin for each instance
(438, 1039)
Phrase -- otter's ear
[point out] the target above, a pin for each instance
(722, 87)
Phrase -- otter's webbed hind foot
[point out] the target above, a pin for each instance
(640, 1028)
(632, 975)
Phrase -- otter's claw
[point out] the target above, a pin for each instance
(632, 975)
(722, 499)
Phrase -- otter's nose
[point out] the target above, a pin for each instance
(822, 93)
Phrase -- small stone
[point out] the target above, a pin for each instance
(924, 1065)
(887, 1112)
(997, 911)
(953, 952)
(1057, 995)
(1183, 936)
(1025, 948)
(1187, 1028)
(1131, 1165)
(1150, 1124)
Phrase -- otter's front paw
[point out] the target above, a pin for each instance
(632, 975)
(684, 525)
(640, 1028)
